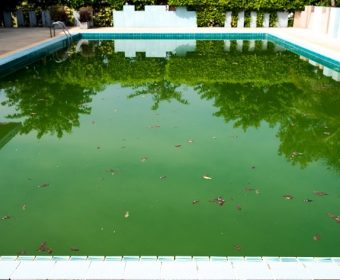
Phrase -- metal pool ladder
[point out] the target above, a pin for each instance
(64, 28)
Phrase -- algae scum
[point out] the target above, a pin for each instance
(193, 148)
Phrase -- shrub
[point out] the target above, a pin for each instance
(103, 17)
(85, 14)
(62, 13)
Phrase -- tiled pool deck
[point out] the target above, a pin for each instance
(46, 267)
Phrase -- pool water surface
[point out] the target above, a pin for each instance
(170, 148)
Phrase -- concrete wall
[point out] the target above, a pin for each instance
(325, 20)
(154, 16)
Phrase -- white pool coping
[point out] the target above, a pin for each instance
(167, 267)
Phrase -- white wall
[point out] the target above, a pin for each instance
(154, 16)
(334, 23)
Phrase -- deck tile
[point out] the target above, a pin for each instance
(69, 270)
(215, 270)
(143, 270)
(179, 270)
(106, 270)
(33, 270)
(7, 268)
(289, 270)
(252, 270)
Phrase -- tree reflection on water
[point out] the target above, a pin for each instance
(247, 89)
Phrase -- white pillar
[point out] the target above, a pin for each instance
(7, 19)
(32, 18)
(266, 18)
(20, 18)
(240, 20)
(253, 17)
(46, 18)
(282, 19)
(264, 44)
(228, 18)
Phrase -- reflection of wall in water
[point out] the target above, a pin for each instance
(325, 70)
(251, 45)
(154, 48)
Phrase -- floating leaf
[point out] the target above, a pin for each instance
(248, 189)
(112, 171)
(307, 200)
(178, 146)
(238, 207)
(206, 177)
(45, 185)
(154, 126)
(288, 197)
(5, 217)
(126, 215)
(237, 247)
(42, 247)
(334, 217)
(320, 193)
(163, 177)
(190, 141)
(143, 159)
(316, 237)
(23, 207)
(74, 249)
(257, 191)
(195, 201)
(218, 200)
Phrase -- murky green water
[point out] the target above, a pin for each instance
(214, 149)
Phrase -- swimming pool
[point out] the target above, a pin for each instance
(161, 147)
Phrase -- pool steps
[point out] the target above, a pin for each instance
(168, 267)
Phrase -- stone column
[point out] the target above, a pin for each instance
(46, 18)
(228, 18)
(7, 19)
(253, 17)
(20, 18)
(32, 18)
(266, 18)
(240, 20)
(282, 19)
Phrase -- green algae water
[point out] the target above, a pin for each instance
(156, 148)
